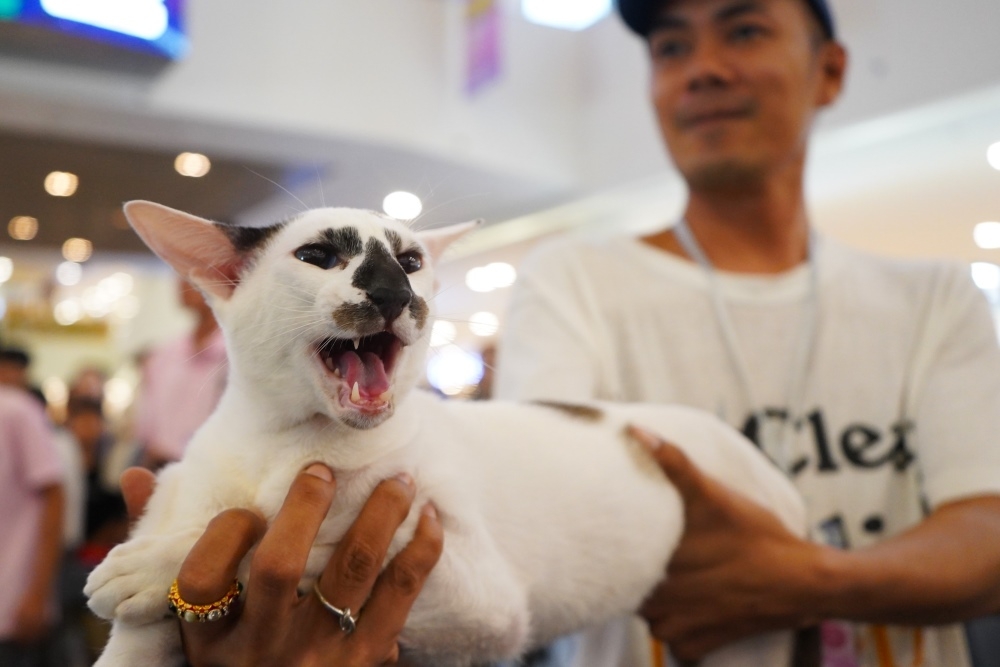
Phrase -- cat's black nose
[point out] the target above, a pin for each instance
(390, 301)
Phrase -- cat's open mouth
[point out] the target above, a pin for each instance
(364, 365)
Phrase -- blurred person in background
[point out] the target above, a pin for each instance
(105, 521)
(31, 532)
(14, 363)
(484, 388)
(874, 383)
(182, 382)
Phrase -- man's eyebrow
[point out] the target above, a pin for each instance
(739, 9)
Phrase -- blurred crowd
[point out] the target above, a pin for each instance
(59, 495)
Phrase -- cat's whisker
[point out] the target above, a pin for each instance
(305, 207)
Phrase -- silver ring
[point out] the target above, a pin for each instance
(344, 618)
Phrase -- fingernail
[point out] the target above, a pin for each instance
(644, 437)
(405, 478)
(321, 471)
(430, 510)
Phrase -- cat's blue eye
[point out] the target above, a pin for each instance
(322, 256)
(410, 261)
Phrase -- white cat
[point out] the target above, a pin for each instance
(553, 518)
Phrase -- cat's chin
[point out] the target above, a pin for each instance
(363, 421)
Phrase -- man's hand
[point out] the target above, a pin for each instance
(272, 625)
(737, 572)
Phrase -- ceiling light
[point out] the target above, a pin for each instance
(484, 324)
(490, 277)
(993, 155)
(23, 228)
(118, 394)
(69, 273)
(117, 285)
(402, 205)
(443, 333)
(77, 250)
(67, 312)
(6, 269)
(987, 235)
(61, 183)
(565, 14)
(453, 369)
(55, 390)
(986, 275)
(194, 165)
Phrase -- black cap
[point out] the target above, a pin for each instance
(638, 15)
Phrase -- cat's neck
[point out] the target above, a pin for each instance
(286, 420)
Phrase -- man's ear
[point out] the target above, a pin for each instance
(437, 240)
(197, 249)
(833, 64)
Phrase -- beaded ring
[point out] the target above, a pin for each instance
(200, 613)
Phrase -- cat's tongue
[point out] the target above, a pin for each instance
(367, 370)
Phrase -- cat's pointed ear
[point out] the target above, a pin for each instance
(197, 249)
(438, 239)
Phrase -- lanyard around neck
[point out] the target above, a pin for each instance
(797, 370)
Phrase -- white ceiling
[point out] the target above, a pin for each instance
(370, 94)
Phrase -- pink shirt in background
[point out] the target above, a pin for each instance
(180, 389)
(29, 464)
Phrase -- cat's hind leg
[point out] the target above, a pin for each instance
(472, 609)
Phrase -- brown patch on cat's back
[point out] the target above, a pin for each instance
(585, 412)
(419, 310)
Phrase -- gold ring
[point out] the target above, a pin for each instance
(199, 613)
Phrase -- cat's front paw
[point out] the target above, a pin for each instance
(131, 584)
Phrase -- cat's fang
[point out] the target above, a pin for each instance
(355, 394)
(357, 343)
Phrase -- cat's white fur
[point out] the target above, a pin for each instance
(552, 522)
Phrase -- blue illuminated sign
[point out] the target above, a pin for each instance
(150, 26)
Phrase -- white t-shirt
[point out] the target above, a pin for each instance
(900, 410)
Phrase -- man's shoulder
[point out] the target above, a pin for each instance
(16, 402)
(905, 271)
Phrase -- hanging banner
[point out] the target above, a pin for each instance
(482, 31)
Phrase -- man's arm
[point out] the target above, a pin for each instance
(738, 572)
(32, 614)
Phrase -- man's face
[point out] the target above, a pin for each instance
(736, 83)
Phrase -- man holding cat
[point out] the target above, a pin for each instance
(874, 383)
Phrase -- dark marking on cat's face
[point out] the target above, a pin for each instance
(419, 310)
(362, 318)
(395, 241)
(249, 239)
(382, 278)
(346, 241)
(585, 412)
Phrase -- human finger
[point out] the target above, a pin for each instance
(137, 486)
(280, 560)
(398, 586)
(349, 576)
(679, 469)
(210, 568)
